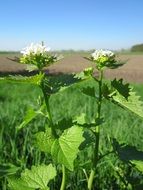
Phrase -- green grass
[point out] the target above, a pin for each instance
(18, 147)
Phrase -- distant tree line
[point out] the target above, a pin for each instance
(137, 48)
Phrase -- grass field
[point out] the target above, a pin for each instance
(18, 148)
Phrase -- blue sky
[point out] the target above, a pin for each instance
(71, 24)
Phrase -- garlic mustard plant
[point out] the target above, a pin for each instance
(37, 55)
(73, 120)
(102, 59)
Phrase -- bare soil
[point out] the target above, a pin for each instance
(132, 71)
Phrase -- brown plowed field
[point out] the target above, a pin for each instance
(132, 71)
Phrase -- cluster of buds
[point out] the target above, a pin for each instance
(103, 58)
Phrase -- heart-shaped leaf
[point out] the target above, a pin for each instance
(36, 178)
(64, 150)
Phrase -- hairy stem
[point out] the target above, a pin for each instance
(63, 178)
(97, 136)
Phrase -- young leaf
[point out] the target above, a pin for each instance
(105, 90)
(45, 140)
(30, 115)
(31, 68)
(36, 79)
(129, 154)
(80, 75)
(126, 97)
(89, 91)
(36, 178)
(115, 65)
(89, 139)
(133, 103)
(87, 73)
(64, 150)
(123, 89)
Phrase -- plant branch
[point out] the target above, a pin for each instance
(63, 178)
(97, 134)
(46, 98)
(102, 156)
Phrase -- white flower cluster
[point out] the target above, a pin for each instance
(35, 49)
(102, 53)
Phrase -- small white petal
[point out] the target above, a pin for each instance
(35, 49)
(100, 53)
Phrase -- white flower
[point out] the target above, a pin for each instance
(102, 53)
(35, 49)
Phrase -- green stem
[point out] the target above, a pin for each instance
(90, 180)
(97, 135)
(63, 178)
(46, 98)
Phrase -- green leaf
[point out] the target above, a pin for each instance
(60, 81)
(115, 64)
(30, 115)
(36, 79)
(89, 91)
(16, 184)
(45, 140)
(124, 96)
(8, 169)
(106, 90)
(36, 178)
(123, 89)
(39, 177)
(87, 73)
(138, 164)
(31, 68)
(133, 103)
(81, 121)
(64, 124)
(80, 75)
(129, 154)
(89, 139)
(64, 150)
